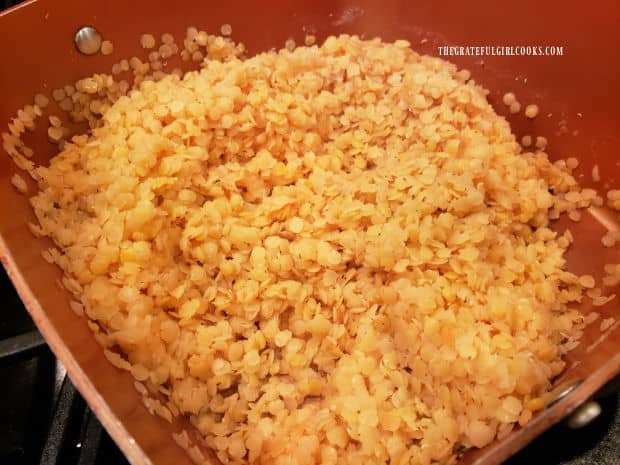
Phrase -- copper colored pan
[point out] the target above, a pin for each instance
(580, 87)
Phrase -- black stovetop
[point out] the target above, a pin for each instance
(44, 421)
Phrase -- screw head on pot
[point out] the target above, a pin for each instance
(584, 415)
(88, 40)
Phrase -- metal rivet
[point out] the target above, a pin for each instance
(562, 391)
(584, 414)
(88, 40)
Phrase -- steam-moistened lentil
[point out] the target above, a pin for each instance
(509, 98)
(333, 255)
(515, 107)
(541, 142)
(531, 111)
(147, 41)
(526, 140)
(107, 47)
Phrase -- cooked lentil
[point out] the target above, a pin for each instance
(107, 47)
(226, 29)
(509, 98)
(147, 41)
(515, 107)
(531, 111)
